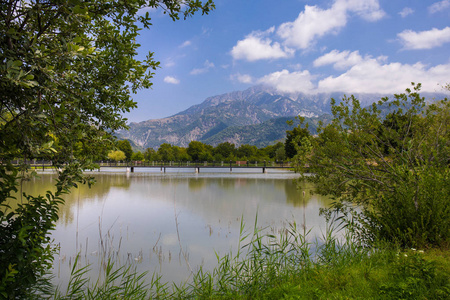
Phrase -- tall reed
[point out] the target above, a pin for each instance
(288, 265)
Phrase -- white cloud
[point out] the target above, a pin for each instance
(339, 60)
(244, 78)
(343, 60)
(372, 76)
(314, 22)
(368, 9)
(256, 46)
(185, 44)
(311, 24)
(206, 66)
(365, 74)
(406, 12)
(289, 82)
(424, 39)
(439, 6)
(171, 79)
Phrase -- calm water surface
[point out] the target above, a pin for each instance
(173, 222)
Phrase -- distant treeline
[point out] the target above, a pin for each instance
(198, 151)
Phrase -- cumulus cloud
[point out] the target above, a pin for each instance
(343, 60)
(424, 39)
(372, 76)
(311, 24)
(368, 9)
(339, 60)
(171, 80)
(315, 22)
(256, 46)
(439, 6)
(244, 78)
(206, 66)
(406, 12)
(290, 82)
(365, 74)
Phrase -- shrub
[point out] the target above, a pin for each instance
(394, 167)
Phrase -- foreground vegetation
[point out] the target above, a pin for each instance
(393, 168)
(288, 267)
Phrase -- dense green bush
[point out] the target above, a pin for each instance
(416, 213)
(388, 173)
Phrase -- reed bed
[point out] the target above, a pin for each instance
(284, 266)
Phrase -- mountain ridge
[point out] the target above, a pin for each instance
(238, 117)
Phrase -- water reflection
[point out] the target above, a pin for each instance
(160, 221)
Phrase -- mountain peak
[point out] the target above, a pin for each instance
(228, 116)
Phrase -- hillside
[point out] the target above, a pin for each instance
(254, 116)
(262, 134)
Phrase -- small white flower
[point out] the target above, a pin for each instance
(406, 255)
(413, 249)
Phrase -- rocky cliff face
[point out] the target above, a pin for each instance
(256, 116)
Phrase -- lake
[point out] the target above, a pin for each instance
(172, 223)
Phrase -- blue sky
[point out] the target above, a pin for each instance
(295, 46)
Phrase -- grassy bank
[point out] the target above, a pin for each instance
(288, 267)
(386, 274)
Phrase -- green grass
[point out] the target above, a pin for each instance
(287, 266)
(382, 275)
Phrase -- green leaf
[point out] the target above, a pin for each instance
(17, 63)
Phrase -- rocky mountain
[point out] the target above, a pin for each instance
(255, 116)
(263, 134)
